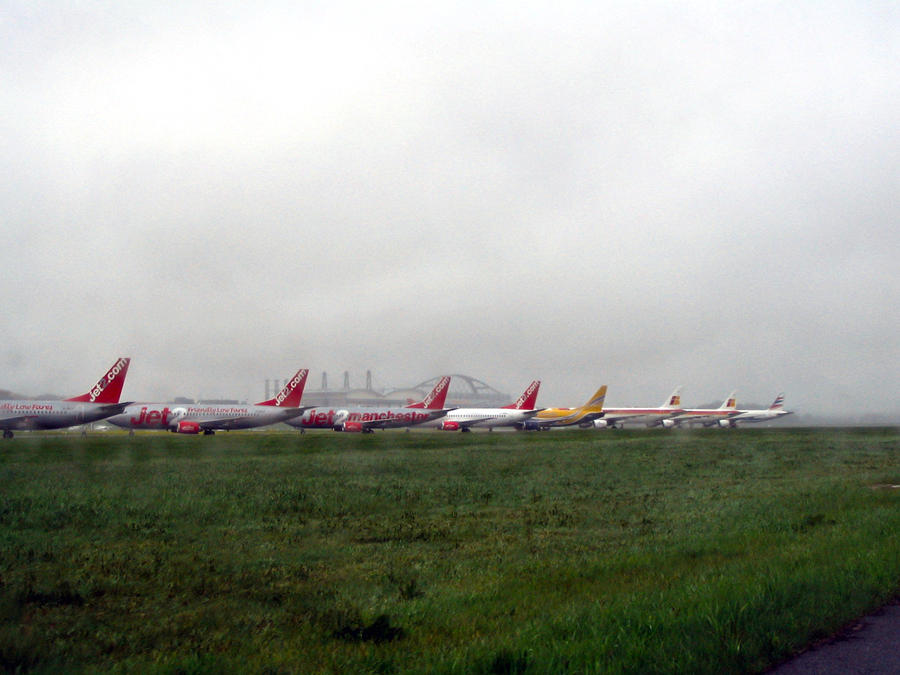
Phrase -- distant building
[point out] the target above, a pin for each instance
(464, 391)
(468, 392)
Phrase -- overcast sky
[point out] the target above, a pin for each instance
(642, 194)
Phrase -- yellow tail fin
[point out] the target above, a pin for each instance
(597, 399)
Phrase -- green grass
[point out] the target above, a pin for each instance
(560, 552)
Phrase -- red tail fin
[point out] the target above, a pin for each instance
(109, 388)
(290, 395)
(528, 398)
(435, 400)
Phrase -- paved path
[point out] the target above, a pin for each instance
(871, 646)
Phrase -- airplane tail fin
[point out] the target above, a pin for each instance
(291, 393)
(597, 399)
(109, 388)
(437, 396)
(778, 403)
(528, 399)
(730, 403)
(674, 400)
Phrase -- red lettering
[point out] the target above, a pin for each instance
(140, 419)
(148, 417)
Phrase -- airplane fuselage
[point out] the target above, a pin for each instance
(175, 416)
(582, 416)
(99, 402)
(565, 417)
(382, 418)
(24, 415)
(706, 417)
(462, 418)
(650, 416)
(758, 416)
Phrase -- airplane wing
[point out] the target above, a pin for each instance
(111, 409)
(384, 424)
(291, 413)
(468, 424)
(531, 413)
(533, 423)
(524, 416)
(529, 417)
(399, 422)
(227, 424)
(668, 421)
(249, 421)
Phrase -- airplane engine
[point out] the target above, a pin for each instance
(668, 424)
(448, 425)
(531, 425)
(352, 427)
(187, 427)
(725, 424)
(601, 424)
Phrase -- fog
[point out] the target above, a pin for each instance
(637, 194)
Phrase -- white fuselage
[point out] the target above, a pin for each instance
(483, 417)
(706, 416)
(758, 415)
(177, 416)
(614, 417)
(370, 418)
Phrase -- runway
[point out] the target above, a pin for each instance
(866, 647)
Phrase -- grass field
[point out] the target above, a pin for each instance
(561, 552)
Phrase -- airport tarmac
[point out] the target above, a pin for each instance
(870, 646)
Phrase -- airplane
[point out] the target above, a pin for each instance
(208, 418)
(101, 401)
(708, 417)
(463, 419)
(616, 418)
(366, 420)
(583, 416)
(773, 412)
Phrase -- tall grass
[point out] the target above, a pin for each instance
(453, 553)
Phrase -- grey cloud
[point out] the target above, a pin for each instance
(643, 195)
